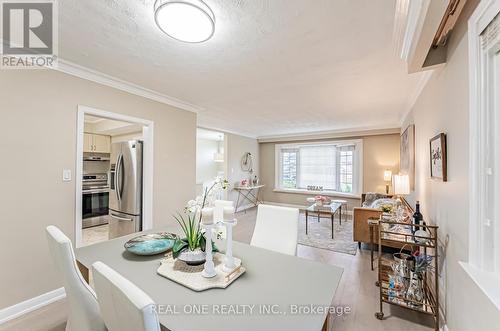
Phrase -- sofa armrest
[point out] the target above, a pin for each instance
(361, 230)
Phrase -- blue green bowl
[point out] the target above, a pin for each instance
(151, 244)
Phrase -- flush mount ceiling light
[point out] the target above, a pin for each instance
(190, 21)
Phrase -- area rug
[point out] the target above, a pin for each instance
(320, 234)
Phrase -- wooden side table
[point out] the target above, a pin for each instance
(373, 225)
(328, 210)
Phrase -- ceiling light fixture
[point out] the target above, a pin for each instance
(190, 21)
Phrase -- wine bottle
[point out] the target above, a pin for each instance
(417, 217)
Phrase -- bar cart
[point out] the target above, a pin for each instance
(409, 281)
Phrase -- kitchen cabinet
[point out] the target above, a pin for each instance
(96, 143)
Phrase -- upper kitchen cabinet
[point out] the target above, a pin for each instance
(96, 143)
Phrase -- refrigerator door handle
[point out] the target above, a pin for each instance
(121, 218)
(118, 174)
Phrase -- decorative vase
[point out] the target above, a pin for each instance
(196, 257)
(415, 291)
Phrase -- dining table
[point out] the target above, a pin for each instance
(277, 291)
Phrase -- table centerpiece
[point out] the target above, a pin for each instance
(190, 247)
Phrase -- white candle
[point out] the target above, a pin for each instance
(207, 216)
(219, 209)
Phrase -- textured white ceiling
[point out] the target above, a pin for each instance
(272, 67)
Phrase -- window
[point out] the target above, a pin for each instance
(484, 153)
(327, 166)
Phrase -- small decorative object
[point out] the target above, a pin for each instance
(229, 221)
(422, 236)
(438, 157)
(415, 292)
(247, 162)
(208, 224)
(151, 244)
(403, 264)
(386, 208)
(191, 248)
(320, 200)
(190, 276)
(407, 154)
(255, 180)
(244, 183)
(314, 188)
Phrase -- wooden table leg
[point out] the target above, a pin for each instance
(371, 246)
(333, 217)
(84, 271)
(326, 325)
(340, 215)
(307, 215)
(318, 217)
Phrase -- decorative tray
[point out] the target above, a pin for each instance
(151, 244)
(190, 276)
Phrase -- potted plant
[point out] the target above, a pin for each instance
(190, 248)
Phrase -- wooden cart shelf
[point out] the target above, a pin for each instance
(397, 297)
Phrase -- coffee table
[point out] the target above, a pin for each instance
(326, 210)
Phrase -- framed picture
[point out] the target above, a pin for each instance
(407, 154)
(438, 157)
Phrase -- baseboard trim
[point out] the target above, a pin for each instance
(301, 207)
(22, 308)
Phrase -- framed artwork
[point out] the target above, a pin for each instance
(438, 157)
(407, 154)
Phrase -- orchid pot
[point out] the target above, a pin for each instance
(190, 248)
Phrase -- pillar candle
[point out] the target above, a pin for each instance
(207, 216)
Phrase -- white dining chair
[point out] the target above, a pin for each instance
(124, 306)
(83, 308)
(276, 229)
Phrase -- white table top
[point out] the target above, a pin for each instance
(271, 279)
(248, 187)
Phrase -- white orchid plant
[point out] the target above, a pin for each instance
(190, 221)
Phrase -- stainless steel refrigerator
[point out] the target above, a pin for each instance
(125, 197)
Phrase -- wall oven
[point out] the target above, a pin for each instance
(95, 200)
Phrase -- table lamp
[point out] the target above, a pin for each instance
(387, 179)
(401, 185)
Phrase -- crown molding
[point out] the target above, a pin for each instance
(95, 76)
(330, 134)
(225, 131)
(424, 79)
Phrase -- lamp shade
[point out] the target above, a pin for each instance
(387, 175)
(401, 184)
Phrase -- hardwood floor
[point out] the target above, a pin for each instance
(356, 290)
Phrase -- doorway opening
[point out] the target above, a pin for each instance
(211, 159)
(114, 175)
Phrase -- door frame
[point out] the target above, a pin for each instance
(148, 138)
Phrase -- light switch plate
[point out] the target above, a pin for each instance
(66, 177)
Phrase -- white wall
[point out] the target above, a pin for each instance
(443, 106)
(236, 147)
(38, 127)
(206, 168)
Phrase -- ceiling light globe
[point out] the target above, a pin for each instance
(189, 21)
